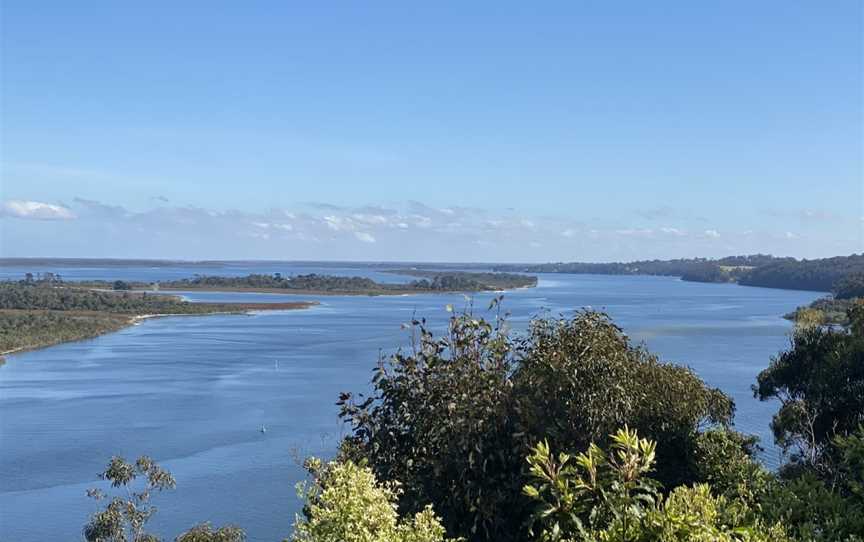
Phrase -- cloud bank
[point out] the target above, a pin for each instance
(410, 231)
(35, 210)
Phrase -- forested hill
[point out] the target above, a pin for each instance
(754, 270)
(822, 275)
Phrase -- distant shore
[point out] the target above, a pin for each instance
(69, 326)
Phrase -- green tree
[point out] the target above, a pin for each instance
(578, 380)
(452, 418)
(850, 286)
(125, 517)
(206, 533)
(819, 382)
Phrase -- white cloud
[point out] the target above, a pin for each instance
(339, 223)
(635, 232)
(366, 232)
(35, 210)
(364, 237)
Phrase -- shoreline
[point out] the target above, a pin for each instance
(117, 321)
(329, 293)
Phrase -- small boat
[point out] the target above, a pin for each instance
(263, 428)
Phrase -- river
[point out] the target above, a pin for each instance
(193, 392)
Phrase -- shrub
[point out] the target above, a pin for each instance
(345, 503)
(596, 496)
(453, 418)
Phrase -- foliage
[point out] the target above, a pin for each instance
(464, 280)
(849, 287)
(820, 384)
(204, 532)
(724, 460)
(811, 511)
(850, 463)
(578, 497)
(439, 281)
(820, 275)
(125, 517)
(698, 269)
(441, 421)
(707, 272)
(345, 503)
(40, 313)
(453, 418)
(604, 497)
(65, 298)
(29, 329)
(578, 380)
(754, 270)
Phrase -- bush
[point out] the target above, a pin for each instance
(453, 418)
(596, 496)
(345, 503)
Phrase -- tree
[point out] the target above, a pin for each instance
(819, 381)
(441, 422)
(121, 285)
(452, 418)
(849, 287)
(205, 533)
(578, 380)
(125, 517)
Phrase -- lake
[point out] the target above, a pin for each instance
(193, 392)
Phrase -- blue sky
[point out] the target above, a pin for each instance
(447, 131)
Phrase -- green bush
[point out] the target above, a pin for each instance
(345, 503)
(599, 496)
(453, 418)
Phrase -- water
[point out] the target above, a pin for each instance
(193, 392)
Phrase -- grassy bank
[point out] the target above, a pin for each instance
(38, 315)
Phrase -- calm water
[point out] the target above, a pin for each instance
(193, 392)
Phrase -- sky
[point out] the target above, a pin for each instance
(438, 131)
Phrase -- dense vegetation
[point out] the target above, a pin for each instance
(465, 280)
(571, 384)
(671, 268)
(820, 275)
(432, 281)
(824, 310)
(30, 329)
(569, 433)
(756, 270)
(849, 287)
(40, 312)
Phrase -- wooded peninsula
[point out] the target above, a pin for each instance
(35, 314)
(314, 284)
(42, 310)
